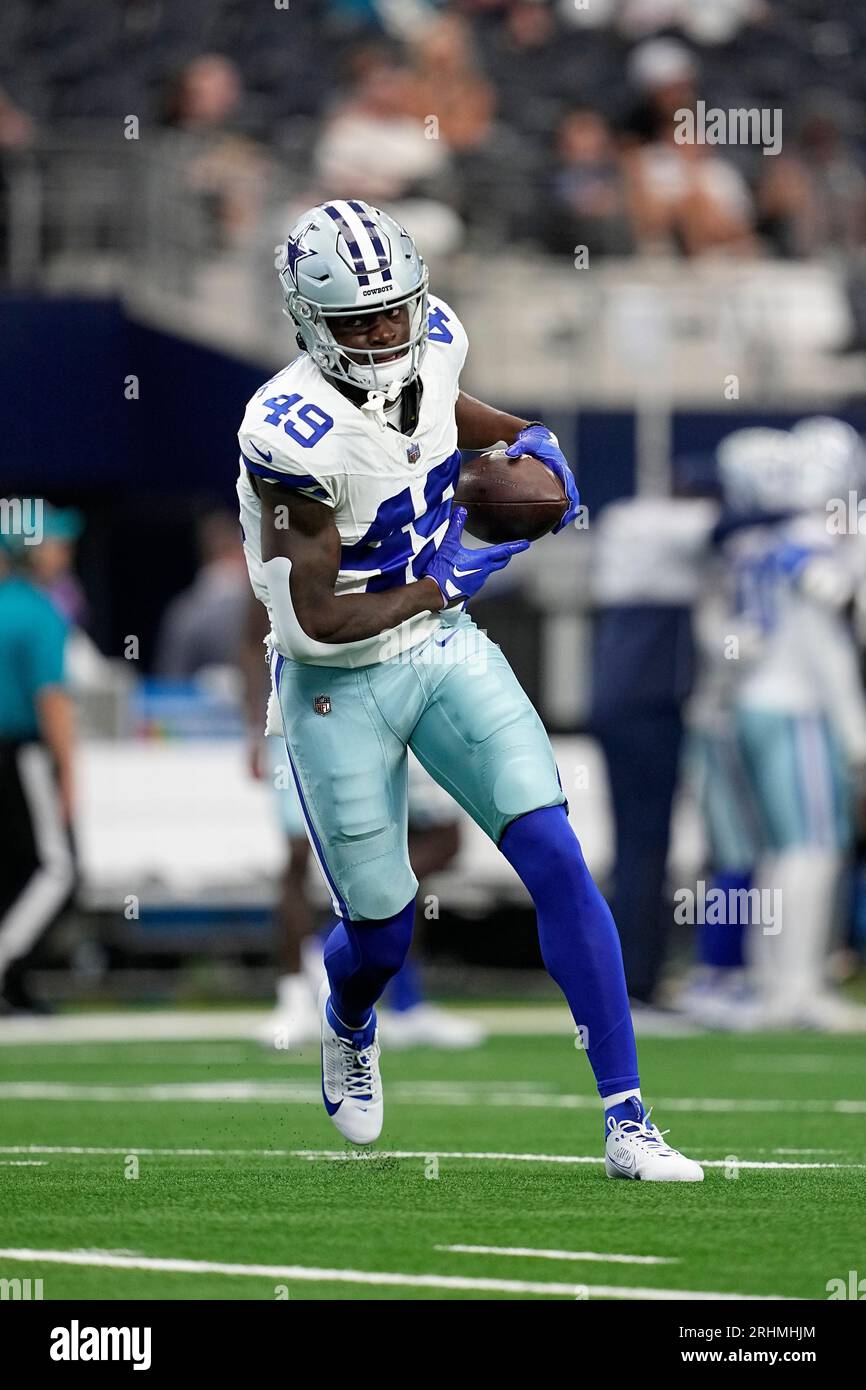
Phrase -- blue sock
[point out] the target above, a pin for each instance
(404, 991)
(630, 1109)
(360, 958)
(358, 1037)
(720, 944)
(579, 942)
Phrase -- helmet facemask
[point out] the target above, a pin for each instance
(363, 368)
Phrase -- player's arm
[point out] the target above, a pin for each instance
(301, 562)
(56, 721)
(479, 425)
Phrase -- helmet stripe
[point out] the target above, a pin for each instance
(349, 238)
(372, 231)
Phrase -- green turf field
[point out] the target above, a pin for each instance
(237, 1169)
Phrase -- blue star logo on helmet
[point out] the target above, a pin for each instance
(296, 251)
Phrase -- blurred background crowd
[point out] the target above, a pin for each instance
(674, 310)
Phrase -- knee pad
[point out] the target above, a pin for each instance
(523, 785)
(377, 890)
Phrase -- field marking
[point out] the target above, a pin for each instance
(178, 1025)
(87, 1150)
(310, 1274)
(22, 1162)
(473, 1094)
(359, 1155)
(590, 1256)
(371, 1155)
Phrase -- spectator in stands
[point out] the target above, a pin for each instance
(445, 82)
(17, 130)
(813, 197)
(587, 204)
(684, 198)
(203, 625)
(375, 146)
(714, 23)
(226, 170)
(531, 65)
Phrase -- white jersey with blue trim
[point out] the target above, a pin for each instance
(788, 583)
(390, 492)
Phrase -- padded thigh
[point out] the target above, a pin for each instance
(482, 740)
(352, 772)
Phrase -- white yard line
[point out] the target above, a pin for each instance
(104, 1151)
(137, 1025)
(311, 1274)
(471, 1094)
(362, 1156)
(591, 1256)
(371, 1155)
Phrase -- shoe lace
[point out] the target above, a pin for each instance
(646, 1133)
(358, 1080)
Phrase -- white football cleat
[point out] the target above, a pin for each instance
(636, 1149)
(424, 1025)
(351, 1083)
(825, 1012)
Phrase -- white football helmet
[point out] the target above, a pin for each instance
(343, 257)
(833, 460)
(761, 470)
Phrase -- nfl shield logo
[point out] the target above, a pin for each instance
(413, 453)
(322, 704)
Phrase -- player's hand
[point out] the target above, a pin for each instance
(543, 444)
(255, 756)
(460, 572)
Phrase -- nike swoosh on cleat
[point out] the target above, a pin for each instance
(263, 454)
(331, 1106)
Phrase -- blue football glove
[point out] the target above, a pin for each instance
(543, 444)
(460, 572)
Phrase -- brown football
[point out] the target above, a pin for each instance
(509, 499)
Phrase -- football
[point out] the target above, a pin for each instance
(509, 499)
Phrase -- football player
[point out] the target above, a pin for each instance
(349, 460)
(797, 714)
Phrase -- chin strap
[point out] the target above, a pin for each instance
(374, 405)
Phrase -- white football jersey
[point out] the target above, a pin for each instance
(390, 492)
(802, 659)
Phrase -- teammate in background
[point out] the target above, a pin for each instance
(433, 842)
(649, 554)
(795, 734)
(37, 739)
(349, 458)
(201, 626)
